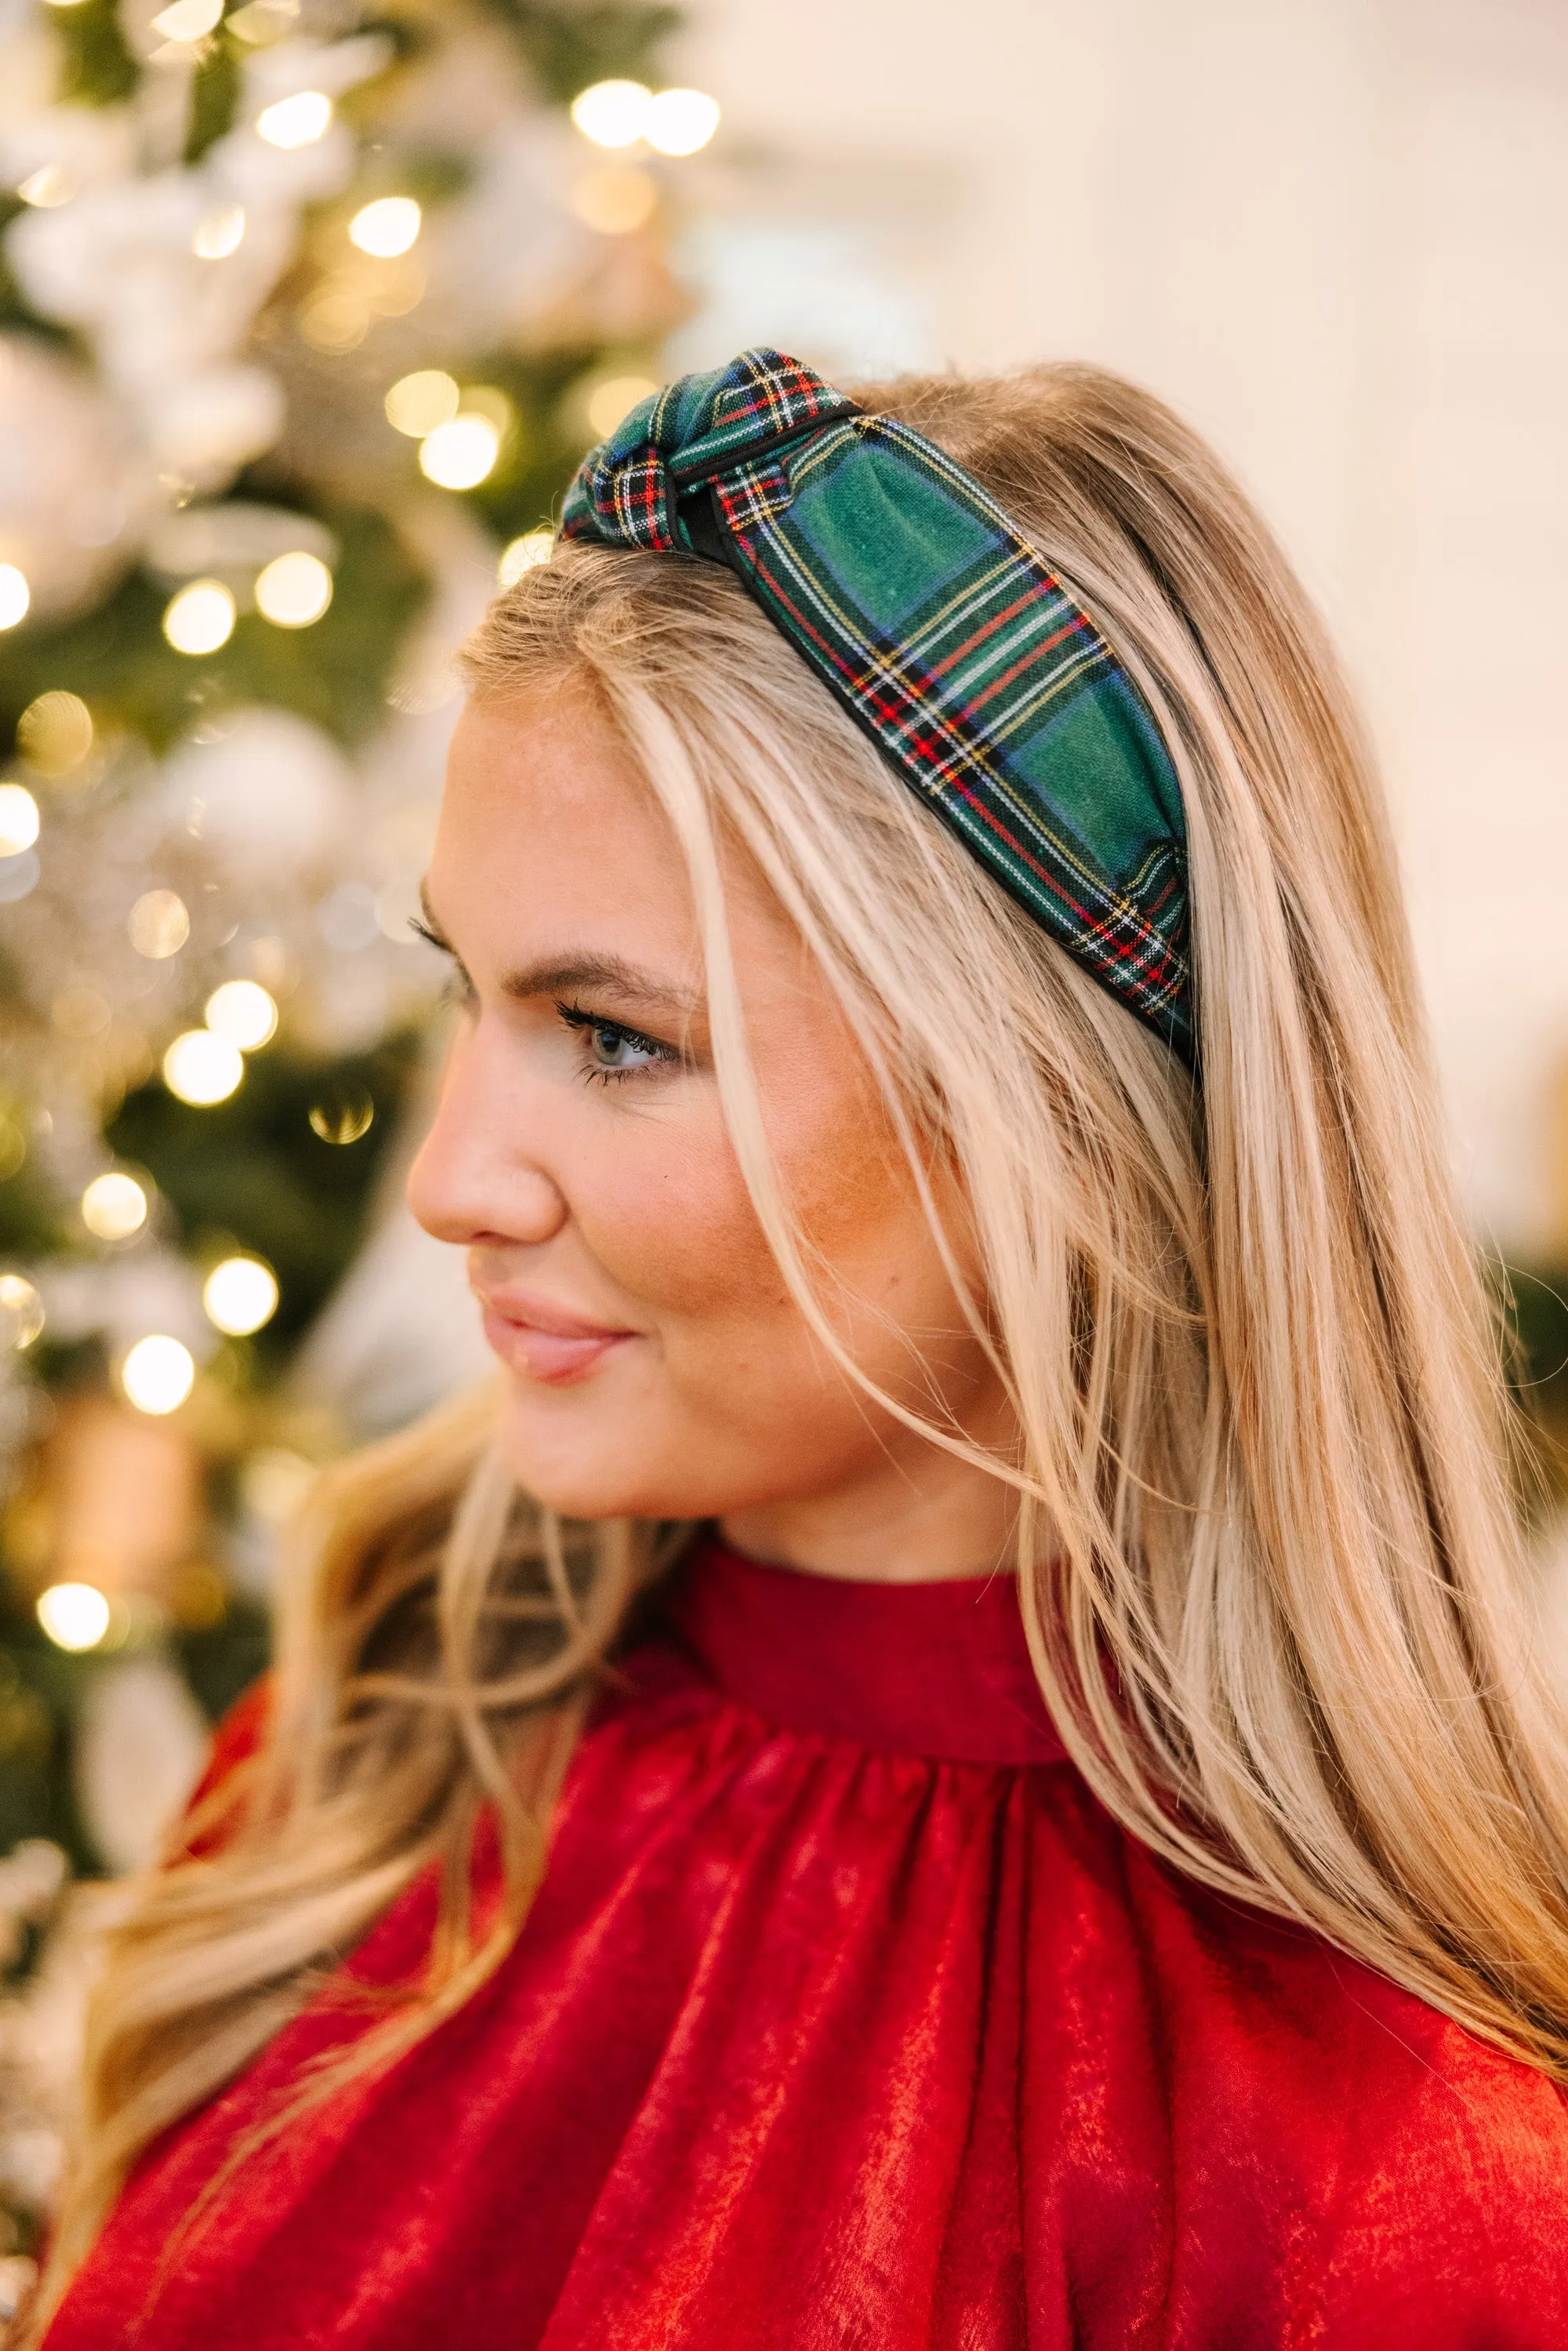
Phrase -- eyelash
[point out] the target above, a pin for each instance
(587, 1024)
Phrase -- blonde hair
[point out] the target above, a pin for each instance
(1268, 1565)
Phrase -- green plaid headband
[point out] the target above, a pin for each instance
(942, 632)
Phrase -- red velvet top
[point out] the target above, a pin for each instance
(846, 2017)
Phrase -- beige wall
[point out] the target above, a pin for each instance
(1334, 232)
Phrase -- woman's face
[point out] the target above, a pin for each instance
(657, 1363)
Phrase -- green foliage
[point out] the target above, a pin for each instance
(97, 68)
(335, 672)
(252, 1170)
(570, 47)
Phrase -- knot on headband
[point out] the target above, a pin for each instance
(948, 639)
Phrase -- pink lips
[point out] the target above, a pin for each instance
(545, 1343)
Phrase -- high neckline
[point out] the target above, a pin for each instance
(940, 1670)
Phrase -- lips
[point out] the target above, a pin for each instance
(544, 1342)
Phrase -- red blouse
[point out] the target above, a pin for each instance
(847, 2017)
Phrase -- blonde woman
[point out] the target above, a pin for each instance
(951, 1760)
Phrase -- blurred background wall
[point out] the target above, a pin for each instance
(307, 310)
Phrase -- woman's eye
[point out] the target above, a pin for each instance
(610, 1050)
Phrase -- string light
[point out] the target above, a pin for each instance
(159, 925)
(458, 455)
(240, 1295)
(158, 1373)
(420, 404)
(202, 1068)
(14, 595)
(343, 1114)
(19, 819)
(243, 1011)
(293, 590)
(201, 618)
(610, 402)
(73, 1616)
(613, 114)
(386, 227)
(55, 733)
(220, 233)
(296, 121)
(523, 554)
(114, 1206)
(187, 20)
(679, 121)
(21, 1311)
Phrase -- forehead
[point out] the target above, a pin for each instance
(547, 829)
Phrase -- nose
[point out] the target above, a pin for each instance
(474, 1182)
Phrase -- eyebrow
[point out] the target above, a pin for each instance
(573, 974)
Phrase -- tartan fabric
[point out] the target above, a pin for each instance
(942, 632)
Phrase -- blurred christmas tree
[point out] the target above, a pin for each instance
(306, 312)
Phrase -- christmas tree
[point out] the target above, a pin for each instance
(307, 313)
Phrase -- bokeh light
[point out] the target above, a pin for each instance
(202, 1068)
(220, 233)
(613, 114)
(419, 403)
(201, 618)
(533, 548)
(679, 121)
(296, 121)
(293, 590)
(243, 1011)
(458, 455)
(14, 595)
(188, 20)
(55, 733)
(615, 199)
(158, 1373)
(73, 1616)
(19, 819)
(159, 925)
(386, 227)
(114, 1206)
(614, 400)
(240, 1295)
(342, 1114)
(21, 1311)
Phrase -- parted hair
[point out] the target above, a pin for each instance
(1269, 1560)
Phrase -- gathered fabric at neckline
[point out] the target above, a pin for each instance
(936, 1670)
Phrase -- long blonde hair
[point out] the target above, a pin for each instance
(1268, 1565)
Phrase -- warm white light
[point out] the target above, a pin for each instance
(387, 228)
(420, 403)
(159, 925)
(21, 1311)
(534, 547)
(73, 1616)
(240, 1295)
(220, 233)
(14, 595)
(54, 732)
(459, 454)
(48, 186)
(187, 20)
(613, 114)
(201, 618)
(114, 1206)
(243, 1011)
(202, 1068)
(609, 402)
(681, 121)
(296, 121)
(19, 819)
(293, 590)
(158, 1373)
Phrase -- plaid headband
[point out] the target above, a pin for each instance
(940, 631)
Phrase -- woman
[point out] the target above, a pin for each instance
(994, 1794)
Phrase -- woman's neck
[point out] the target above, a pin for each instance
(951, 1520)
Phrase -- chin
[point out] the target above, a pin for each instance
(585, 1463)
